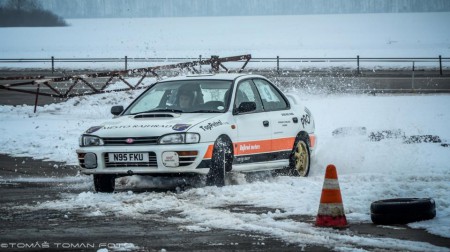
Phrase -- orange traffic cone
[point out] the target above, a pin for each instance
(331, 208)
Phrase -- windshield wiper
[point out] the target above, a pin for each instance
(160, 110)
(205, 111)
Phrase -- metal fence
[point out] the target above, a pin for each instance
(277, 63)
(17, 83)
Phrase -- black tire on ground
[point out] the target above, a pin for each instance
(221, 161)
(422, 139)
(300, 158)
(402, 210)
(386, 134)
(104, 183)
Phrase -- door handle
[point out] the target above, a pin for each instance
(266, 123)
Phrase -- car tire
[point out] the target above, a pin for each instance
(402, 210)
(104, 183)
(299, 159)
(221, 162)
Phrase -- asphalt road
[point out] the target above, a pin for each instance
(52, 230)
(21, 226)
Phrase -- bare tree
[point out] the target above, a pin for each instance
(27, 13)
(24, 5)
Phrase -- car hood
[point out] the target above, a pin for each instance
(151, 124)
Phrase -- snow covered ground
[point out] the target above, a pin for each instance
(368, 170)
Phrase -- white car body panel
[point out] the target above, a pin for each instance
(256, 146)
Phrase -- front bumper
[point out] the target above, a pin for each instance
(197, 164)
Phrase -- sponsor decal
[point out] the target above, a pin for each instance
(248, 147)
(306, 120)
(181, 127)
(170, 159)
(211, 125)
(93, 129)
(257, 147)
(242, 159)
(308, 112)
(138, 126)
(284, 123)
(287, 114)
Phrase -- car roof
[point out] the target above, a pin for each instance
(220, 76)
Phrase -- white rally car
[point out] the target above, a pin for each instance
(201, 125)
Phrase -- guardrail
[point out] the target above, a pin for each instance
(356, 61)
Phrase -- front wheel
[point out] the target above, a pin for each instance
(104, 183)
(221, 162)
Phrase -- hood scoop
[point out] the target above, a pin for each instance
(153, 116)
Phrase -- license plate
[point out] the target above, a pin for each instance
(128, 157)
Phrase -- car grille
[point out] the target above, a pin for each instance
(187, 157)
(152, 162)
(136, 140)
(81, 159)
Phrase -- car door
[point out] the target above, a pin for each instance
(283, 122)
(254, 129)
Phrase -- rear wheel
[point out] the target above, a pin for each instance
(104, 182)
(300, 158)
(221, 162)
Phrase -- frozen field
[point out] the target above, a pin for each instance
(349, 35)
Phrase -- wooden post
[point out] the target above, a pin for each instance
(37, 95)
(357, 63)
(278, 65)
(215, 63)
(412, 83)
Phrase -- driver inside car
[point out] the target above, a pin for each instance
(185, 98)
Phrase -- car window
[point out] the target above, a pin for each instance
(271, 98)
(196, 96)
(149, 101)
(246, 92)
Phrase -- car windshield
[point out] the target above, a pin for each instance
(190, 96)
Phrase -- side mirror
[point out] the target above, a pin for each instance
(246, 107)
(116, 110)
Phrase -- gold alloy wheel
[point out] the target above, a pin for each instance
(301, 158)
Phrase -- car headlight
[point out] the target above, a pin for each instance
(86, 140)
(180, 138)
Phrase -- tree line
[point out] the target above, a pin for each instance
(27, 13)
(178, 8)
